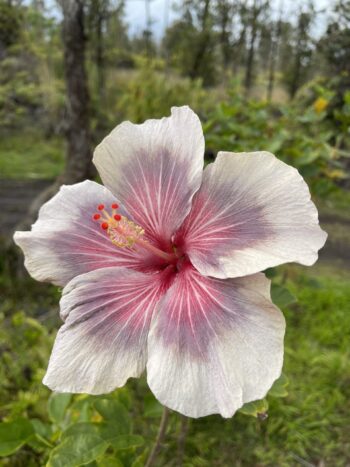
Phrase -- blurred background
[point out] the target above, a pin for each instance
(262, 75)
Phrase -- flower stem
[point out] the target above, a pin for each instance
(182, 439)
(161, 432)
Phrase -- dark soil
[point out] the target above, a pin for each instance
(15, 198)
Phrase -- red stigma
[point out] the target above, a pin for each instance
(117, 217)
(115, 206)
(101, 207)
(96, 217)
(104, 225)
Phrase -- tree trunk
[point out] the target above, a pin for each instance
(271, 79)
(79, 154)
(79, 166)
(224, 14)
(296, 76)
(294, 85)
(99, 55)
(250, 60)
(274, 52)
(148, 31)
(203, 42)
(304, 22)
(238, 48)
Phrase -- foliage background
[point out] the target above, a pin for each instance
(259, 81)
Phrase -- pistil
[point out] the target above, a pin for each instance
(169, 257)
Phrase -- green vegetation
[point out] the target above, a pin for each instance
(29, 155)
(309, 425)
(298, 133)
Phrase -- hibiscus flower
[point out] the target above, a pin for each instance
(160, 267)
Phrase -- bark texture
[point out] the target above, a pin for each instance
(203, 41)
(79, 156)
(248, 79)
(77, 128)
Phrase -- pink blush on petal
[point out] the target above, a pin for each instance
(214, 344)
(190, 318)
(213, 226)
(103, 341)
(157, 203)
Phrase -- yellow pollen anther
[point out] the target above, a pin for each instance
(124, 233)
(121, 231)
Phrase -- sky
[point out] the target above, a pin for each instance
(162, 13)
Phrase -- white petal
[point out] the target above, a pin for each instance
(214, 344)
(252, 212)
(154, 169)
(103, 341)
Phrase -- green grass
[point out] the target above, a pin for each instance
(30, 155)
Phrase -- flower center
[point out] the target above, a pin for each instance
(124, 233)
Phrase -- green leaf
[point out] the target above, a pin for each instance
(39, 443)
(257, 409)
(81, 408)
(14, 434)
(40, 428)
(105, 430)
(77, 450)
(115, 412)
(127, 441)
(81, 428)
(308, 157)
(277, 142)
(42, 433)
(271, 273)
(57, 406)
(153, 408)
(139, 461)
(279, 388)
(109, 430)
(281, 296)
(109, 462)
